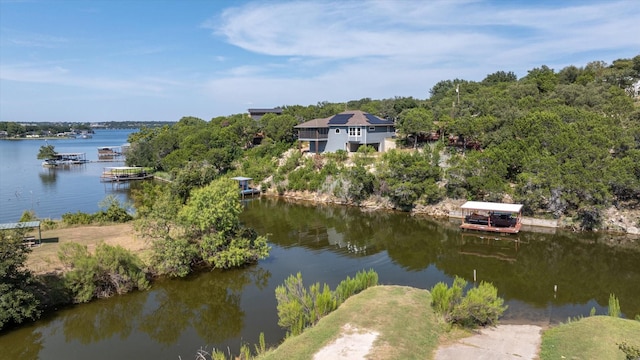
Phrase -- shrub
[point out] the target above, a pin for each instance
(112, 270)
(299, 308)
(444, 298)
(480, 306)
(360, 282)
(172, 257)
(630, 352)
(78, 218)
(614, 306)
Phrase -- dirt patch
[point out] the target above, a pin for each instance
(353, 344)
(504, 342)
(44, 258)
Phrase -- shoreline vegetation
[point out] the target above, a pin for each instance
(565, 144)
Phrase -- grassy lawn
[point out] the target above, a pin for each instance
(590, 338)
(402, 316)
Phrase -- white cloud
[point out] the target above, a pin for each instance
(344, 50)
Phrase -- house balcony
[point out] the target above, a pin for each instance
(312, 134)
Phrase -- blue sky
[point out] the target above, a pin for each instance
(144, 60)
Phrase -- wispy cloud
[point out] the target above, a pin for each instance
(346, 49)
(34, 40)
(57, 75)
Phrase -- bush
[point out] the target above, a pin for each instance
(299, 308)
(349, 286)
(614, 306)
(78, 218)
(173, 257)
(112, 270)
(630, 352)
(480, 306)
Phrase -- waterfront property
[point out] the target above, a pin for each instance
(245, 188)
(124, 173)
(65, 159)
(347, 131)
(492, 217)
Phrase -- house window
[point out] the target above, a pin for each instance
(354, 131)
(337, 131)
(372, 128)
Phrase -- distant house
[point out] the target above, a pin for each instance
(256, 114)
(346, 131)
(4, 134)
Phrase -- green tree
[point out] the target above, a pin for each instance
(47, 152)
(213, 208)
(18, 301)
(279, 127)
(415, 122)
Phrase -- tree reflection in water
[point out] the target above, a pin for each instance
(209, 304)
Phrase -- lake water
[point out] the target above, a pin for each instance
(51, 192)
(327, 243)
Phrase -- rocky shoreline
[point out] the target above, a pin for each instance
(615, 220)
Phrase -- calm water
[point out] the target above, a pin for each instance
(326, 243)
(26, 185)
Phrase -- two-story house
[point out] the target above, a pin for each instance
(347, 131)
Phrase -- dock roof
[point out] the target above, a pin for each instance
(491, 206)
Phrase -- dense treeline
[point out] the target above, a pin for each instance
(18, 130)
(562, 142)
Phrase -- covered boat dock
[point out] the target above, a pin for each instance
(243, 185)
(491, 217)
(124, 173)
(28, 240)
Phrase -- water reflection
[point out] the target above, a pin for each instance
(525, 268)
(326, 244)
(104, 319)
(209, 304)
(48, 177)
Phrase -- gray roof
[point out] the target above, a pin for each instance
(20, 225)
(347, 118)
(265, 111)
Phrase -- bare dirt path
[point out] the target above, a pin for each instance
(44, 258)
(504, 342)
